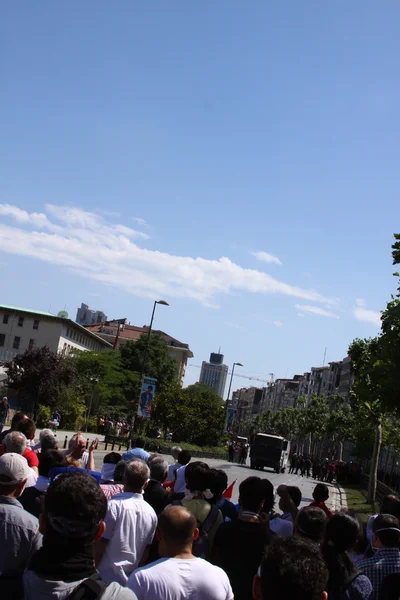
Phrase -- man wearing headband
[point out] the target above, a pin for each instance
(386, 560)
(19, 530)
(73, 518)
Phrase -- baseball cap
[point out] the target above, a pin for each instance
(14, 466)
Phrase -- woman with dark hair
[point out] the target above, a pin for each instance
(345, 581)
(198, 495)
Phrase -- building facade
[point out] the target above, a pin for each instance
(24, 329)
(346, 378)
(325, 381)
(88, 316)
(214, 373)
(179, 351)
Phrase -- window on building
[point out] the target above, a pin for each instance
(36, 324)
(67, 332)
(31, 344)
(2, 339)
(16, 343)
(5, 319)
(20, 321)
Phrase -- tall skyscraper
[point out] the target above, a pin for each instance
(214, 373)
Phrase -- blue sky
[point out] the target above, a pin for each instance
(154, 150)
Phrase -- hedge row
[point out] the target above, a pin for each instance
(164, 447)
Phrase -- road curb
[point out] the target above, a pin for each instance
(341, 497)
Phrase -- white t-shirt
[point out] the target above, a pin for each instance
(180, 484)
(83, 460)
(37, 588)
(32, 478)
(180, 579)
(130, 526)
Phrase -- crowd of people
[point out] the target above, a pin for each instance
(238, 452)
(324, 469)
(148, 529)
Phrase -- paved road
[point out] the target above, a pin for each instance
(239, 472)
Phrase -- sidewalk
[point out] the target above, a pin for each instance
(339, 500)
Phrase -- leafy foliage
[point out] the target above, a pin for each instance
(40, 376)
(194, 414)
(156, 361)
(104, 382)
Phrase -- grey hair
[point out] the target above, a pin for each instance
(137, 473)
(44, 433)
(158, 469)
(15, 441)
(175, 450)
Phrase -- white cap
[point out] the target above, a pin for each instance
(14, 466)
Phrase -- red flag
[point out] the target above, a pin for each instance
(228, 493)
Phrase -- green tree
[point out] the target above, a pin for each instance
(104, 383)
(286, 422)
(340, 423)
(371, 394)
(194, 414)
(376, 366)
(316, 414)
(39, 376)
(152, 361)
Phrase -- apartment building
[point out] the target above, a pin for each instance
(247, 402)
(89, 316)
(214, 373)
(324, 381)
(346, 378)
(108, 331)
(23, 329)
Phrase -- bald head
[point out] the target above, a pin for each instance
(177, 526)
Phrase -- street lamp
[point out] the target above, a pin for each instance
(163, 303)
(146, 348)
(235, 364)
(93, 379)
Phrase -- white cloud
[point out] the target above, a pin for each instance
(266, 257)
(278, 323)
(108, 253)
(300, 314)
(315, 310)
(139, 221)
(108, 213)
(363, 314)
(234, 325)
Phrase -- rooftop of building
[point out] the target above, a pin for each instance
(49, 315)
(133, 332)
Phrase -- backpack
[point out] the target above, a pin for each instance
(201, 547)
(90, 589)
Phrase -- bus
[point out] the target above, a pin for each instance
(269, 451)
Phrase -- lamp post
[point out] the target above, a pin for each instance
(235, 364)
(146, 348)
(93, 380)
(163, 303)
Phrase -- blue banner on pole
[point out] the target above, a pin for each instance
(149, 387)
